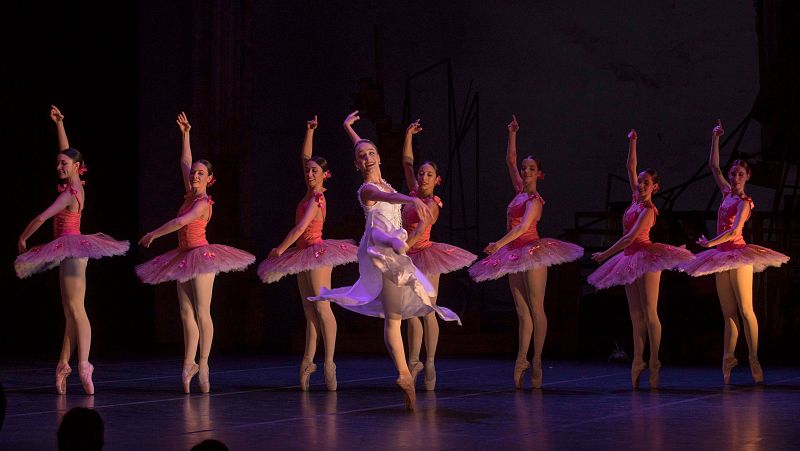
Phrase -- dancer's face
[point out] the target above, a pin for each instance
(737, 177)
(529, 171)
(314, 174)
(646, 186)
(199, 176)
(426, 178)
(366, 158)
(65, 166)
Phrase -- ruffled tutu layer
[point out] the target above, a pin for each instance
(541, 252)
(43, 257)
(623, 269)
(294, 260)
(713, 261)
(441, 258)
(184, 264)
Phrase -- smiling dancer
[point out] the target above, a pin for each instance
(70, 251)
(194, 263)
(312, 260)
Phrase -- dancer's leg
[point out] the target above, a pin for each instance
(525, 330)
(191, 333)
(431, 326)
(202, 289)
(319, 278)
(730, 313)
(392, 299)
(639, 328)
(648, 286)
(742, 286)
(535, 285)
(72, 275)
(312, 324)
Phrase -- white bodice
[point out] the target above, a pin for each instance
(390, 212)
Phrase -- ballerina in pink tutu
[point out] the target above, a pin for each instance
(432, 258)
(639, 266)
(524, 257)
(70, 251)
(312, 260)
(389, 285)
(733, 262)
(194, 263)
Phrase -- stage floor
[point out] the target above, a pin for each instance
(255, 404)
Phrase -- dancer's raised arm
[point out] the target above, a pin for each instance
(713, 158)
(308, 142)
(408, 156)
(533, 211)
(633, 177)
(646, 218)
(58, 118)
(195, 213)
(348, 127)
(186, 150)
(62, 201)
(511, 155)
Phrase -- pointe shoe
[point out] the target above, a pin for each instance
(85, 370)
(655, 374)
(519, 372)
(415, 367)
(189, 370)
(430, 377)
(306, 368)
(536, 373)
(62, 372)
(203, 379)
(755, 369)
(637, 367)
(406, 383)
(727, 365)
(330, 376)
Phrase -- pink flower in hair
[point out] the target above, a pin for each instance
(326, 175)
(211, 181)
(540, 176)
(83, 169)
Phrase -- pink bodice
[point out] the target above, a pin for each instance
(411, 222)
(194, 234)
(313, 233)
(67, 222)
(514, 214)
(726, 217)
(642, 239)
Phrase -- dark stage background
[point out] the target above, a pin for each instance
(249, 74)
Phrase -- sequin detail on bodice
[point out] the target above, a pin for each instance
(514, 213)
(313, 233)
(726, 215)
(194, 234)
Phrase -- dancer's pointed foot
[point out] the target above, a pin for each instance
(85, 370)
(728, 363)
(406, 383)
(430, 376)
(189, 371)
(519, 372)
(62, 373)
(536, 373)
(637, 367)
(204, 378)
(415, 367)
(306, 368)
(755, 369)
(330, 376)
(655, 373)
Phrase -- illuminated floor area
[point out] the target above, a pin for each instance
(255, 404)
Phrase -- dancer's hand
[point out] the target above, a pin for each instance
(55, 114)
(513, 126)
(312, 124)
(147, 239)
(414, 128)
(351, 119)
(21, 246)
(491, 248)
(718, 130)
(274, 253)
(423, 211)
(598, 257)
(703, 241)
(632, 135)
(183, 123)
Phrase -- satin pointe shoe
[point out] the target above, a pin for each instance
(655, 374)
(406, 383)
(727, 365)
(62, 373)
(756, 371)
(306, 368)
(330, 376)
(203, 379)
(536, 373)
(430, 377)
(520, 367)
(189, 371)
(415, 367)
(637, 367)
(85, 370)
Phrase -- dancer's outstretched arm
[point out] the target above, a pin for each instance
(58, 118)
(713, 158)
(742, 213)
(511, 155)
(408, 156)
(533, 211)
(195, 213)
(186, 150)
(308, 142)
(297, 230)
(62, 201)
(647, 216)
(423, 224)
(633, 175)
(348, 127)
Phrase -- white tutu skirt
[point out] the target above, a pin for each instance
(623, 269)
(713, 260)
(378, 264)
(541, 252)
(46, 256)
(440, 258)
(185, 264)
(295, 260)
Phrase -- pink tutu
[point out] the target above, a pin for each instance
(440, 258)
(45, 256)
(183, 264)
(295, 260)
(623, 269)
(507, 260)
(714, 260)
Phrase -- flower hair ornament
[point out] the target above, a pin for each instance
(540, 176)
(211, 181)
(83, 169)
(438, 181)
(326, 175)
